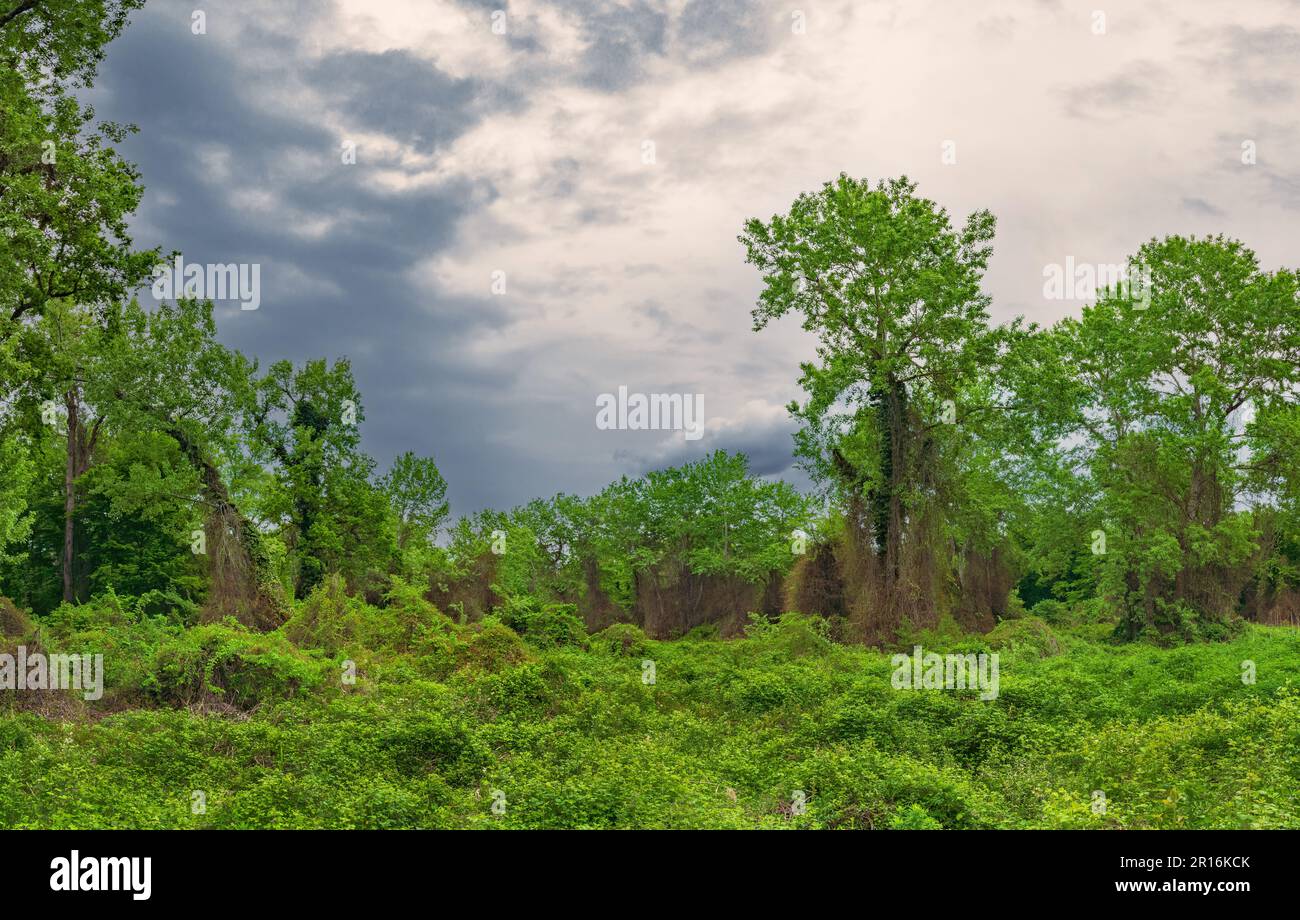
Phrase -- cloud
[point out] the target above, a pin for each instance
(761, 431)
(1201, 206)
(523, 150)
(1143, 87)
(432, 109)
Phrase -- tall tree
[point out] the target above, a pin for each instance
(417, 494)
(892, 292)
(1155, 419)
(173, 378)
(304, 422)
(68, 345)
(65, 194)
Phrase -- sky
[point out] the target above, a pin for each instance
(500, 211)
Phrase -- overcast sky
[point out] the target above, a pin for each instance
(526, 153)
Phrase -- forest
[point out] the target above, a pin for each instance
(293, 636)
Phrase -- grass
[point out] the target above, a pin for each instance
(451, 726)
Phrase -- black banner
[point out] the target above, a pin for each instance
(137, 869)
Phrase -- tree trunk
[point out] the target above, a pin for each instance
(81, 446)
(889, 514)
(242, 584)
(70, 495)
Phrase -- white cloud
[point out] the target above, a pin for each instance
(625, 272)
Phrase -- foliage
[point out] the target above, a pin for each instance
(781, 729)
(295, 632)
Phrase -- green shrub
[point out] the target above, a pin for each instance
(328, 619)
(424, 742)
(226, 663)
(913, 818)
(491, 646)
(622, 640)
(542, 625)
(1050, 611)
(862, 788)
(793, 635)
(407, 619)
(1030, 634)
(447, 717)
(119, 630)
(520, 692)
(100, 612)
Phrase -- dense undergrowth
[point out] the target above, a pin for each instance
(781, 729)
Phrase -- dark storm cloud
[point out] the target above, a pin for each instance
(624, 39)
(478, 150)
(344, 292)
(1283, 186)
(1262, 64)
(429, 111)
(1267, 61)
(517, 35)
(1274, 178)
(767, 441)
(666, 328)
(620, 39)
(1279, 43)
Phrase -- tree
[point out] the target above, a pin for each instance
(1155, 422)
(170, 376)
(682, 545)
(417, 494)
(54, 43)
(65, 346)
(65, 194)
(303, 422)
(892, 293)
(15, 522)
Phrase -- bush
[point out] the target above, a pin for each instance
(431, 741)
(1030, 634)
(726, 736)
(543, 625)
(328, 619)
(13, 622)
(226, 663)
(794, 635)
(408, 619)
(100, 612)
(622, 640)
(118, 629)
(913, 818)
(1051, 611)
(864, 788)
(491, 646)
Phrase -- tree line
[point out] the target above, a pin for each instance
(1139, 459)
